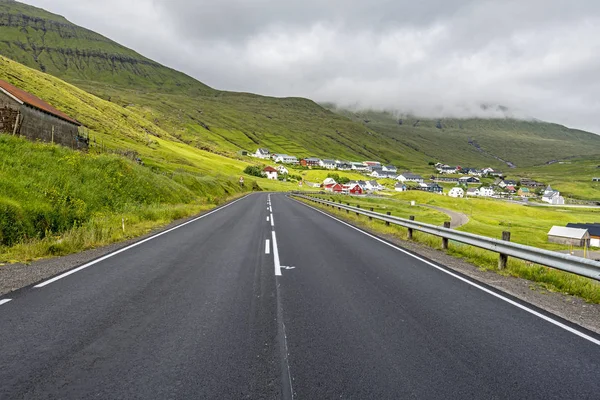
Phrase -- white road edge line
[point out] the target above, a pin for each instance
(514, 303)
(4, 301)
(272, 221)
(84, 266)
(276, 256)
(267, 218)
(267, 246)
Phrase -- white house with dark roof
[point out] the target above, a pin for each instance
(263, 154)
(552, 196)
(327, 164)
(410, 177)
(389, 168)
(374, 186)
(286, 159)
(473, 192)
(487, 192)
(358, 166)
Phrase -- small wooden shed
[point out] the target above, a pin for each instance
(23, 114)
(571, 236)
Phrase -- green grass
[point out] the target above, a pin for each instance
(546, 278)
(55, 201)
(528, 225)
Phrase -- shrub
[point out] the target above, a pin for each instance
(253, 170)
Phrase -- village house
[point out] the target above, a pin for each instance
(456, 192)
(525, 192)
(343, 165)
(372, 164)
(270, 173)
(552, 196)
(23, 114)
(389, 168)
(487, 192)
(400, 187)
(358, 166)
(570, 236)
(595, 179)
(282, 170)
(593, 229)
(446, 169)
(530, 183)
(472, 192)
(285, 159)
(353, 189)
(444, 179)
(329, 181)
(374, 186)
(378, 172)
(431, 187)
(263, 154)
(510, 189)
(410, 177)
(335, 188)
(469, 180)
(310, 162)
(327, 164)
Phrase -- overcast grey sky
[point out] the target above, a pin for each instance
(541, 58)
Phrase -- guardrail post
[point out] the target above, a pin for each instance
(445, 240)
(357, 206)
(348, 211)
(387, 222)
(503, 259)
(410, 230)
(371, 218)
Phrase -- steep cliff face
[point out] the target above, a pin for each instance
(52, 44)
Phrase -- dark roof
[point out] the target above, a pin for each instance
(29, 99)
(325, 161)
(593, 229)
(269, 169)
(410, 175)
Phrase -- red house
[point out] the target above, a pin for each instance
(310, 162)
(352, 189)
(337, 188)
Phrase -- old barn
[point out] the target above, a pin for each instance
(24, 114)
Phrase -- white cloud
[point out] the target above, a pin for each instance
(433, 57)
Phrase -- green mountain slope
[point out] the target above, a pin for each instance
(52, 44)
(465, 142)
(186, 113)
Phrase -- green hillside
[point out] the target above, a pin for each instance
(225, 122)
(54, 200)
(50, 43)
(479, 142)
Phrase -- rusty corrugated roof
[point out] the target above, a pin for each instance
(35, 102)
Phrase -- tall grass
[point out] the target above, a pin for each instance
(55, 201)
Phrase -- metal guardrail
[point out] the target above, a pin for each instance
(563, 262)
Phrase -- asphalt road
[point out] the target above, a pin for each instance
(211, 310)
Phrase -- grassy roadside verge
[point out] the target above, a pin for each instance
(105, 229)
(547, 278)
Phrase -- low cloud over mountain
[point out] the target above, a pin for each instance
(433, 57)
